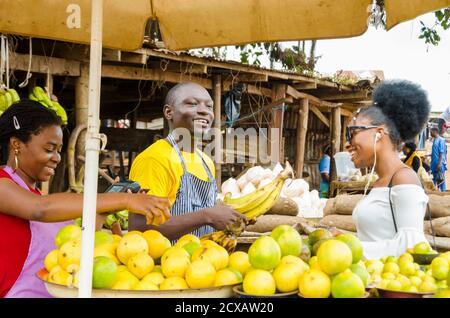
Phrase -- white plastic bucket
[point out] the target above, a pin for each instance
(344, 165)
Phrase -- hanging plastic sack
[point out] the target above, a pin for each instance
(232, 103)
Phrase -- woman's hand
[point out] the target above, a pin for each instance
(155, 209)
(220, 215)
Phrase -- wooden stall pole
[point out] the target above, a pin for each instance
(302, 128)
(81, 104)
(335, 137)
(278, 92)
(217, 88)
(345, 123)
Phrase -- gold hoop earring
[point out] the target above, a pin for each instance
(16, 160)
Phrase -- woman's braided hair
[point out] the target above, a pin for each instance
(22, 120)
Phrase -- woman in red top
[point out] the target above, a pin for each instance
(30, 145)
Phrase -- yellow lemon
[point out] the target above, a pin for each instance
(186, 239)
(286, 277)
(145, 285)
(239, 260)
(208, 243)
(210, 254)
(200, 274)
(105, 250)
(175, 251)
(130, 245)
(173, 283)
(259, 282)
(175, 266)
(157, 243)
(334, 257)
(154, 278)
(60, 277)
(51, 260)
(69, 253)
(67, 233)
(314, 284)
(228, 276)
(125, 281)
(140, 264)
(133, 232)
(314, 263)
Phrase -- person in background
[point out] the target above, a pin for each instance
(324, 168)
(438, 158)
(412, 159)
(30, 145)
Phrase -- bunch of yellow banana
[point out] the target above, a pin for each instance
(7, 98)
(39, 95)
(251, 206)
(223, 239)
(228, 237)
(262, 200)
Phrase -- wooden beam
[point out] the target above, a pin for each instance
(305, 86)
(248, 77)
(133, 58)
(346, 96)
(137, 73)
(174, 66)
(346, 112)
(217, 88)
(262, 109)
(41, 64)
(302, 128)
(111, 55)
(275, 142)
(300, 95)
(245, 68)
(250, 89)
(319, 114)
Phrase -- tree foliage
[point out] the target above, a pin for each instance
(430, 34)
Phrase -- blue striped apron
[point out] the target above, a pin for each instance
(194, 194)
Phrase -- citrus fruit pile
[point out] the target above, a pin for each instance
(144, 261)
(403, 274)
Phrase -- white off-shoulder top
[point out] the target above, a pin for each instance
(375, 226)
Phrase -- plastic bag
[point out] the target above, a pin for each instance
(232, 103)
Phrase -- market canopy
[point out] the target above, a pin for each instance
(203, 23)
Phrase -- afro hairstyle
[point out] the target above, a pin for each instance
(405, 104)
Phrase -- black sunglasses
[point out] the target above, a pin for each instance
(351, 131)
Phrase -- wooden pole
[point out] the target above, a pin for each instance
(335, 137)
(81, 104)
(275, 140)
(217, 88)
(302, 128)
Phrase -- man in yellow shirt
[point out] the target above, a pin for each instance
(186, 178)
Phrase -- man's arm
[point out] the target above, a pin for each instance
(441, 155)
(218, 216)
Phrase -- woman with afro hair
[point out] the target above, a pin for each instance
(389, 219)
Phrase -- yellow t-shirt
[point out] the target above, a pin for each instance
(158, 168)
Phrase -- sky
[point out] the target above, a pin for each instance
(398, 52)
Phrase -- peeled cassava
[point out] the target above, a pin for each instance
(277, 169)
(249, 188)
(255, 175)
(230, 185)
(242, 182)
